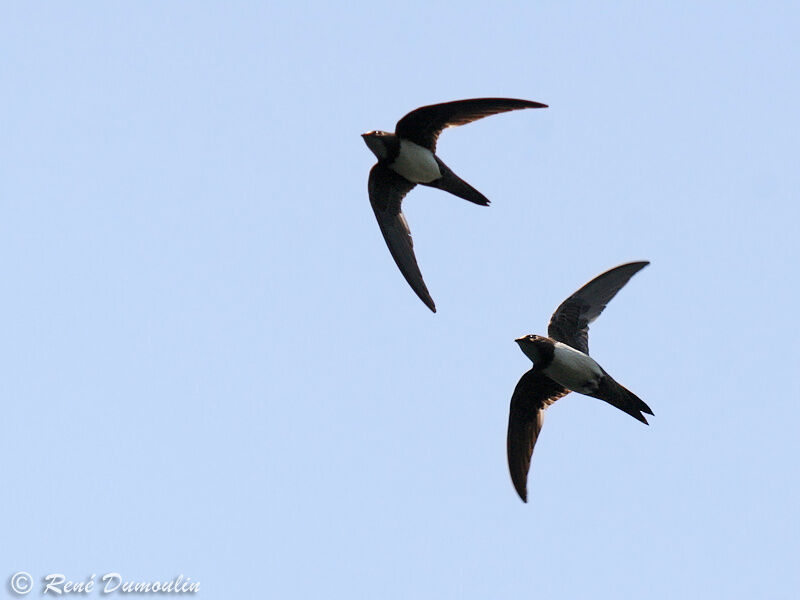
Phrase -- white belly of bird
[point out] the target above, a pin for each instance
(573, 369)
(416, 163)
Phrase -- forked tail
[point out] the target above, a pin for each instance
(625, 400)
(450, 182)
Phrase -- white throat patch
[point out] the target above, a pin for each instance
(416, 163)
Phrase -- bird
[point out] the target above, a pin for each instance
(407, 157)
(561, 364)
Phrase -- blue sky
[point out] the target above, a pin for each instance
(212, 366)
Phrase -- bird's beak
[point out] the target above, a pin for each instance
(520, 340)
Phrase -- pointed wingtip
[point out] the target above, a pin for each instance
(521, 487)
(421, 290)
(426, 298)
(533, 104)
(428, 302)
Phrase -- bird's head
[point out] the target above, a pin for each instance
(534, 347)
(378, 142)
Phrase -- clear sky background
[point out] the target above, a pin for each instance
(212, 367)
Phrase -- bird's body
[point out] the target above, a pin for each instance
(407, 157)
(573, 369)
(561, 364)
(416, 163)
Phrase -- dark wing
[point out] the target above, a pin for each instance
(386, 192)
(534, 392)
(570, 322)
(423, 125)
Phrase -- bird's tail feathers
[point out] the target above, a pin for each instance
(450, 182)
(621, 397)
